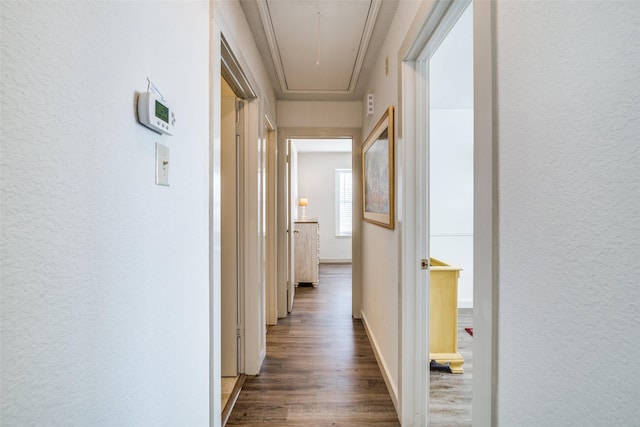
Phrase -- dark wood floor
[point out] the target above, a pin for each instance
(450, 394)
(320, 369)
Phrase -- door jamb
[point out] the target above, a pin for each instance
(486, 215)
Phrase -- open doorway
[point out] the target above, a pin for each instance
(231, 292)
(243, 171)
(324, 140)
(433, 23)
(450, 157)
(321, 193)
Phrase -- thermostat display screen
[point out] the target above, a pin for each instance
(155, 113)
(162, 112)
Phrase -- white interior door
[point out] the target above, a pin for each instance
(229, 236)
(291, 213)
(283, 227)
(271, 217)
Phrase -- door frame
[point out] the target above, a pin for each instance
(292, 216)
(428, 29)
(226, 57)
(271, 238)
(355, 134)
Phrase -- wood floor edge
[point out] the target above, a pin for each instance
(226, 412)
(383, 368)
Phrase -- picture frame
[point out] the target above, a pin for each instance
(378, 172)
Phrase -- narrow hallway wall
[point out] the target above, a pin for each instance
(104, 275)
(569, 212)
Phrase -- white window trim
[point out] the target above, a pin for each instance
(338, 173)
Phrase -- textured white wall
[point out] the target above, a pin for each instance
(316, 181)
(451, 153)
(569, 207)
(451, 194)
(104, 275)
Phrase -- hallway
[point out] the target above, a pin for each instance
(320, 369)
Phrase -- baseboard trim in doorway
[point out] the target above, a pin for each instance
(226, 411)
(393, 392)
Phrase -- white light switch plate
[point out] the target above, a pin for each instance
(162, 164)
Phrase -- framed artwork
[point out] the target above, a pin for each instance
(378, 173)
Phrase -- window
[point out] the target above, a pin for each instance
(344, 193)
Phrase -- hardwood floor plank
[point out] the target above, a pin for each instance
(230, 396)
(450, 394)
(320, 369)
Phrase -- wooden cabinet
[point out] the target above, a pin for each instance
(443, 315)
(306, 245)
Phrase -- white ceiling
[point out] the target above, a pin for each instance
(319, 49)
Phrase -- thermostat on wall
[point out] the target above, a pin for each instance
(155, 113)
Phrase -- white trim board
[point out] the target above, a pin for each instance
(384, 370)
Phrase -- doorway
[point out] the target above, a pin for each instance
(450, 165)
(231, 146)
(229, 181)
(240, 162)
(323, 183)
(288, 209)
(433, 23)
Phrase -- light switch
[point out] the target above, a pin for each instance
(162, 164)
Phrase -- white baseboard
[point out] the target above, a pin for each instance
(393, 390)
(465, 304)
(335, 261)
